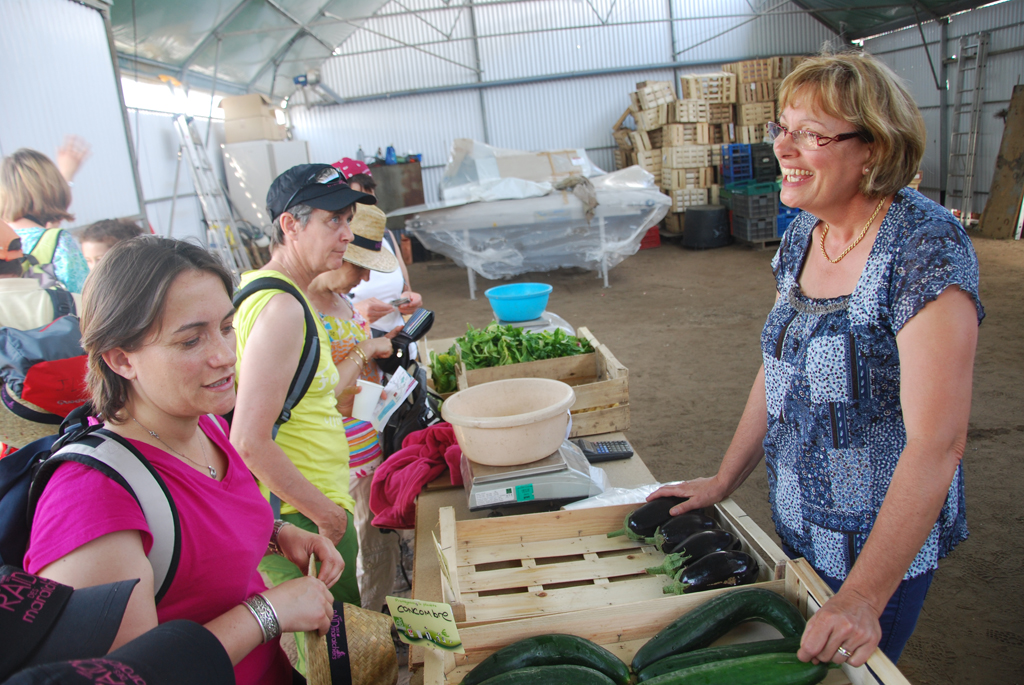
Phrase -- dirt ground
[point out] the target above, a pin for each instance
(687, 325)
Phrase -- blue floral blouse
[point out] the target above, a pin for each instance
(832, 376)
(68, 262)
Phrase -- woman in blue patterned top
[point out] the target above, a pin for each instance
(860, 409)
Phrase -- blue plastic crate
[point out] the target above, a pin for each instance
(782, 222)
(734, 174)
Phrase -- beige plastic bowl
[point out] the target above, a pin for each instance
(509, 422)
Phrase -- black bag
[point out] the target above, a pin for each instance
(421, 409)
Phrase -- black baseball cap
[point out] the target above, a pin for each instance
(173, 653)
(317, 185)
(43, 621)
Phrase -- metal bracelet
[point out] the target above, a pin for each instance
(274, 547)
(362, 354)
(264, 613)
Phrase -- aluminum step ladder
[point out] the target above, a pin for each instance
(221, 237)
(969, 94)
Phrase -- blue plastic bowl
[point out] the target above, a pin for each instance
(519, 301)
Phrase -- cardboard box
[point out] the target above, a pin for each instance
(540, 166)
(253, 128)
(246, 106)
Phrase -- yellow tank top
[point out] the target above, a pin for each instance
(314, 437)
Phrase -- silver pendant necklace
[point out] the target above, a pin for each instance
(208, 465)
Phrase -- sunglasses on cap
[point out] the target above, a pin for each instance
(326, 176)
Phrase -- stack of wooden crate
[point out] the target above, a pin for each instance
(757, 83)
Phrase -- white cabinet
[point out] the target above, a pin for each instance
(251, 167)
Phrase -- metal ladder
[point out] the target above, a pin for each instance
(221, 238)
(972, 57)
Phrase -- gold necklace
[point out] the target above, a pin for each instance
(208, 465)
(863, 232)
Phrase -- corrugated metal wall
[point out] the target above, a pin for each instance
(903, 51)
(58, 79)
(529, 41)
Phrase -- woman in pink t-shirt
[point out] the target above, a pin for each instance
(157, 328)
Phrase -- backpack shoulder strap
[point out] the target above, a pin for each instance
(117, 459)
(309, 360)
(46, 247)
(62, 300)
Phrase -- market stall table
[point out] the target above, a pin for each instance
(426, 579)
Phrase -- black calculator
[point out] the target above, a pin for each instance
(605, 450)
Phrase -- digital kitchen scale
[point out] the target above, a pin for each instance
(548, 321)
(564, 476)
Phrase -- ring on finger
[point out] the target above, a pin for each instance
(842, 650)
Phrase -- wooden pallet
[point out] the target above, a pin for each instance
(624, 628)
(514, 567)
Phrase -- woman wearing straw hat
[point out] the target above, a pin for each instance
(354, 351)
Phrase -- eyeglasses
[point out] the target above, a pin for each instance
(325, 177)
(808, 140)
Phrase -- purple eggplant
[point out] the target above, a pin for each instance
(644, 521)
(718, 569)
(694, 547)
(678, 528)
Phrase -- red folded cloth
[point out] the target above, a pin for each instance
(396, 483)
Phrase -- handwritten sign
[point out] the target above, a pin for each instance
(428, 624)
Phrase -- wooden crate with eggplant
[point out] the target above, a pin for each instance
(514, 567)
(733, 636)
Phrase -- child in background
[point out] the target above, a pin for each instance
(98, 238)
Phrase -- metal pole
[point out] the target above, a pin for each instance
(479, 75)
(604, 254)
(470, 274)
(943, 110)
(174, 195)
(213, 93)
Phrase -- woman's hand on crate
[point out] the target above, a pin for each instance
(702, 492)
(847, 620)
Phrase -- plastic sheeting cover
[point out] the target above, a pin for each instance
(510, 237)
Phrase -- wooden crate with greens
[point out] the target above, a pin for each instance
(500, 352)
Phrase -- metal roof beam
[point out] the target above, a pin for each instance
(276, 59)
(407, 45)
(211, 35)
(897, 24)
(302, 27)
(813, 13)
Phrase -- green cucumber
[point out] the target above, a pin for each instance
(711, 620)
(761, 669)
(550, 650)
(710, 654)
(551, 675)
